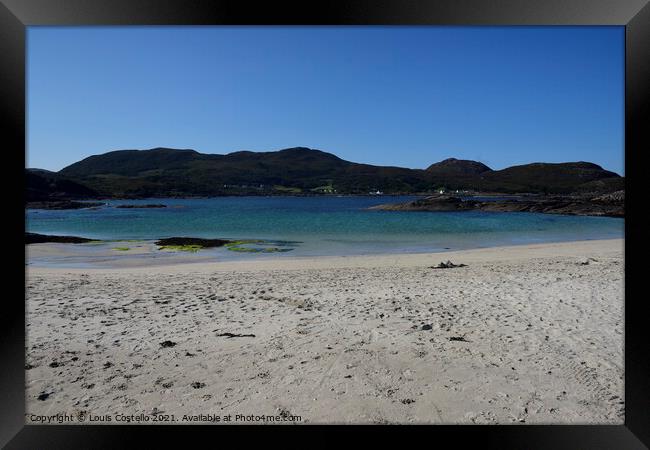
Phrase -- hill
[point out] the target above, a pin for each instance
(547, 177)
(462, 167)
(43, 185)
(170, 172)
(165, 172)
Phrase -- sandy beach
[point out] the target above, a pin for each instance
(521, 334)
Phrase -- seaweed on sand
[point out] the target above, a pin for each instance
(242, 245)
(262, 246)
(236, 246)
(182, 248)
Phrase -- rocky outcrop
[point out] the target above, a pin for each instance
(34, 238)
(433, 203)
(181, 241)
(61, 204)
(611, 198)
(610, 205)
(567, 206)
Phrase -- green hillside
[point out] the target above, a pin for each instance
(298, 171)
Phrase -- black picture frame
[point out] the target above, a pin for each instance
(634, 15)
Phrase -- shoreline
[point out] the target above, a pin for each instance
(185, 263)
(608, 205)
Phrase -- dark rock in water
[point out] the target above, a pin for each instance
(166, 344)
(198, 385)
(433, 203)
(43, 396)
(34, 238)
(458, 338)
(448, 265)
(153, 205)
(427, 327)
(610, 205)
(61, 204)
(192, 241)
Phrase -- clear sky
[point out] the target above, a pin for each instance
(402, 96)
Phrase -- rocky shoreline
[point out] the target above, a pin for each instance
(35, 238)
(609, 205)
(61, 204)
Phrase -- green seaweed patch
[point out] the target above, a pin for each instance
(94, 243)
(122, 249)
(182, 248)
(242, 246)
(236, 248)
(244, 241)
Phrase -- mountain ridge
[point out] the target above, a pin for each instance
(164, 171)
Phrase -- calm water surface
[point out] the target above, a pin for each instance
(320, 225)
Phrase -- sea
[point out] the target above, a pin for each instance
(317, 226)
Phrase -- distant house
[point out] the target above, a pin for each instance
(325, 189)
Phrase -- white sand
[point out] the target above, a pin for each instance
(337, 339)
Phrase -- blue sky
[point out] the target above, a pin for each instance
(403, 96)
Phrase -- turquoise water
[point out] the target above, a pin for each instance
(321, 225)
